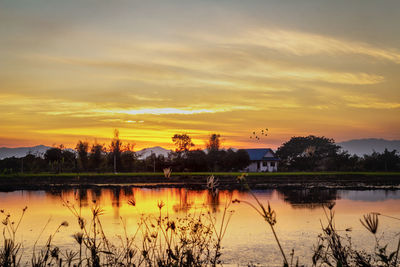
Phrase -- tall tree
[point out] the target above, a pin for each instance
(115, 150)
(183, 142)
(307, 153)
(53, 156)
(96, 158)
(82, 148)
(214, 142)
(128, 157)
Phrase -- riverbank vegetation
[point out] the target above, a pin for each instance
(299, 154)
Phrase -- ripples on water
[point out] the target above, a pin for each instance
(248, 239)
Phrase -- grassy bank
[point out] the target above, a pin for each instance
(186, 174)
(199, 179)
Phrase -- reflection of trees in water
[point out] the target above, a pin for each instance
(184, 204)
(116, 201)
(213, 201)
(96, 193)
(81, 195)
(184, 200)
(58, 192)
(128, 192)
(116, 197)
(309, 198)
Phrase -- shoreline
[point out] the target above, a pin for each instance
(197, 181)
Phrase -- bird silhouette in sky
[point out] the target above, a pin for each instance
(258, 135)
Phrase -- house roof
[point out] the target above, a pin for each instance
(260, 154)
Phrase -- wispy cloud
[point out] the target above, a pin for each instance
(167, 111)
(365, 102)
(304, 43)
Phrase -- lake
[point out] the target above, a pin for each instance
(248, 238)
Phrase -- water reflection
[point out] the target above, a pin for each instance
(248, 238)
(182, 200)
(309, 198)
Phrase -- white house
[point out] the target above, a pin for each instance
(262, 160)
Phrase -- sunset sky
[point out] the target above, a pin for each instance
(78, 69)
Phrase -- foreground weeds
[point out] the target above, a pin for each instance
(192, 240)
(332, 248)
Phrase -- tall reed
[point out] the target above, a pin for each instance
(268, 214)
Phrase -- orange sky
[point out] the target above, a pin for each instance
(72, 70)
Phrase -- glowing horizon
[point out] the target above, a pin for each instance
(71, 70)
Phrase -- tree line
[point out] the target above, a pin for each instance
(310, 153)
(120, 157)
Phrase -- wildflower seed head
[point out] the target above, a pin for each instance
(270, 215)
(154, 235)
(54, 252)
(330, 205)
(131, 253)
(160, 204)
(81, 222)
(171, 225)
(371, 222)
(132, 202)
(78, 238)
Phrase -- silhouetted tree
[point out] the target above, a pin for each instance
(196, 160)
(386, 161)
(53, 157)
(343, 161)
(213, 143)
(82, 150)
(215, 157)
(32, 163)
(183, 142)
(128, 158)
(230, 160)
(307, 153)
(242, 160)
(115, 151)
(96, 157)
(68, 160)
(10, 165)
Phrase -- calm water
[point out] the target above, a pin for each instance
(248, 239)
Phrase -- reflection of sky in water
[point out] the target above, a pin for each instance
(248, 238)
(369, 195)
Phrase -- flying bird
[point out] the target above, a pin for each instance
(258, 135)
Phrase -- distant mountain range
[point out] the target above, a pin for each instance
(157, 150)
(367, 146)
(19, 152)
(356, 146)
